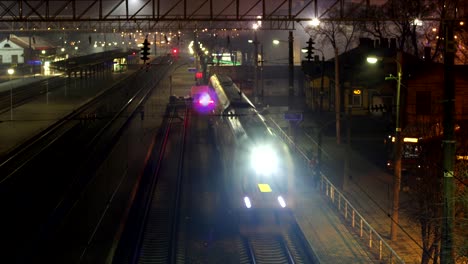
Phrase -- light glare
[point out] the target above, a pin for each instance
(315, 22)
(372, 60)
(264, 160)
(281, 201)
(247, 202)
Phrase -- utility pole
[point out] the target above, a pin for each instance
(347, 162)
(255, 58)
(321, 83)
(397, 154)
(447, 253)
(337, 98)
(291, 63)
(261, 73)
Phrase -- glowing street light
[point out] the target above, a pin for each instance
(11, 72)
(314, 22)
(372, 60)
(398, 146)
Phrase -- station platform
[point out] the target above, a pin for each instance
(21, 123)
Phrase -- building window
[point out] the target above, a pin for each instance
(423, 103)
(7, 45)
(356, 97)
(14, 59)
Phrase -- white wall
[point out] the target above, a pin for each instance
(8, 52)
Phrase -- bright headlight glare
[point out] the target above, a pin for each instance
(281, 201)
(247, 202)
(264, 160)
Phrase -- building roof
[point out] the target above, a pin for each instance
(37, 43)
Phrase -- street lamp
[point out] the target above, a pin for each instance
(11, 72)
(398, 146)
(255, 26)
(290, 65)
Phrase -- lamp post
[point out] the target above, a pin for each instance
(255, 57)
(398, 147)
(290, 42)
(11, 72)
(291, 63)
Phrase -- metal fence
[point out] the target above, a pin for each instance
(371, 239)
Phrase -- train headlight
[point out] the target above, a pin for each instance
(281, 201)
(264, 160)
(247, 202)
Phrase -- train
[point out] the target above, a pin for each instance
(257, 164)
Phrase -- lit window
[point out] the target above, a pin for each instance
(356, 97)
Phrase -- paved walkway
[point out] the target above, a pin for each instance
(370, 190)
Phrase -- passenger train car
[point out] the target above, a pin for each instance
(257, 164)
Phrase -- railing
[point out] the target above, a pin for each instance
(373, 242)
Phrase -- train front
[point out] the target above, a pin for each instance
(266, 174)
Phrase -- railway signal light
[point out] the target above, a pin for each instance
(145, 51)
(309, 49)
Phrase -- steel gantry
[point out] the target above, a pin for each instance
(122, 15)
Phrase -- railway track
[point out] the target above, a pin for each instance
(151, 234)
(42, 180)
(268, 249)
(27, 93)
(281, 241)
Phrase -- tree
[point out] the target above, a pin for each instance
(341, 35)
(427, 193)
(428, 200)
(461, 197)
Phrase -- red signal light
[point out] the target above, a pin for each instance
(199, 75)
(175, 51)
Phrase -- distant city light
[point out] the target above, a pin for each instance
(417, 22)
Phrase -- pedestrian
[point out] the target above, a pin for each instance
(314, 169)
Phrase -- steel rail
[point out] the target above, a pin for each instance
(135, 254)
(175, 223)
(51, 131)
